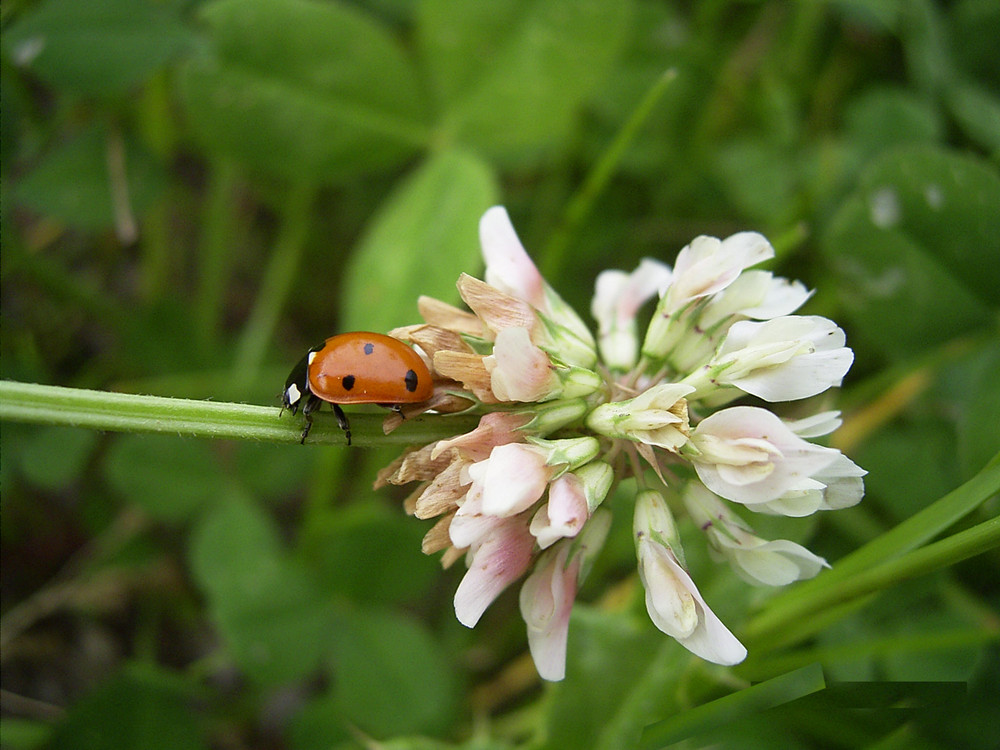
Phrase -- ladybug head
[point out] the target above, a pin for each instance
(297, 385)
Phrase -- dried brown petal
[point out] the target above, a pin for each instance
(444, 401)
(469, 370)
(450, 556)
(410, 503)
(443, 492)
(437, 538)
(497, 309)
(415, 464)
(443, 315)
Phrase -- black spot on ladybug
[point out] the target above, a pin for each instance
(369, 348)
(348, 382)
(410, 380)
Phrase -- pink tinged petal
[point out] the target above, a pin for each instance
(502, 557)
(512, 479)
(508, 266)
(470, 524)
(564, 514)
(707, 266)
(677, 608)
(617, 298)
(737, 464)
(519, 370)
(495, 428)
(546, 603)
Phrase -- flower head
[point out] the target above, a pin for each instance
(565, 417)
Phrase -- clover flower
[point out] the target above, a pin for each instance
(565, 417)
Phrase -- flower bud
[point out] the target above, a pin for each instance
(657, 417)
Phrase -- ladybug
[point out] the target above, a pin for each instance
(356, 368)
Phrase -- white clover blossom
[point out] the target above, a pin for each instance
(673, 601)
(566, 417)
(618, 296)
(547, 596)
(756, 560)
(783, 359)
(748, 455)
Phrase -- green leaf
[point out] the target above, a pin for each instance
(511, 74)
(910, 463)
(391, 675)
(141, 708)
(370, 555)
(72, 182)
(312, 91)
(268, 609)
(974, 386)
(53, 457)
(390, 678)
(96, 47)
(610, 661)
(977, 112)
(423, 237)
(24, 734)
(915, 248)
(744, 704)
(171, 479)
(882, 116)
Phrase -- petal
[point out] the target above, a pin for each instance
(668, 601)
(546, 603)
(815, 426)
(514, 479)
(519, 370)
(563, 515)
(508, 266)
(706, 637)
(495, 428)
(788, 464)
(778, 563)
(707, 266)
(503, 557)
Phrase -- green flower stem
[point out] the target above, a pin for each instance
(597, 179)
(941, 554)
(773, 665)
(784, 613)
(126, 412)
(215, 254)
(276, 285)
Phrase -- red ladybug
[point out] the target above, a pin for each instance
(356, 368)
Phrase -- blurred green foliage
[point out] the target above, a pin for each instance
(195, 191)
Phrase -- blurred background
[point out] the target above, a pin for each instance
(195, 192)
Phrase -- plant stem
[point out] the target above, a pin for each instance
(215, 253)
(276, 285)
(598, 178)
(126, 412)
(940, 554)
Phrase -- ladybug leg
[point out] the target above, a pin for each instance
(311, 405)
(398, 408)
(342, 421)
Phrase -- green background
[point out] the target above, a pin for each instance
(195, 192)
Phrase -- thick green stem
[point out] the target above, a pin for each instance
(126, 412)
